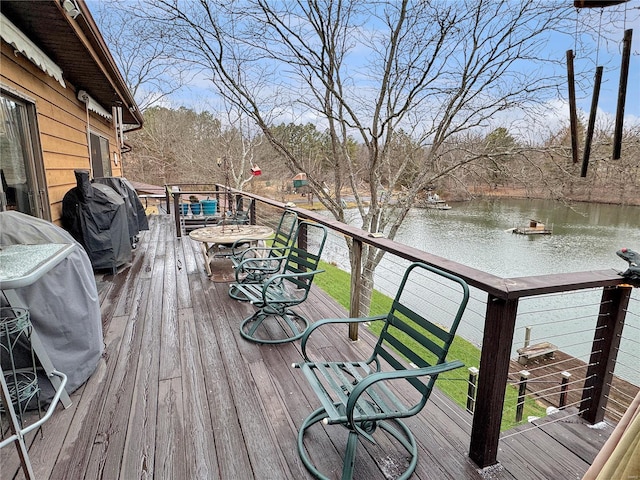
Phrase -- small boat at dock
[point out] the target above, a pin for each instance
(435, 202)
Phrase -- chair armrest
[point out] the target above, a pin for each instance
(258, 265)
(262, 252)
(327, 321)
(284, 276)
(280, 277)
(376, 377)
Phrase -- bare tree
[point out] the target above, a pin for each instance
(240, 142)
(143, 53)
(373, 71)
(176, 145)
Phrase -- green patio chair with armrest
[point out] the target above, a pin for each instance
(254, 264)
(240, 217)
(275, 295)
(356, 394)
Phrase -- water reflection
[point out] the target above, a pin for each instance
(585, 237)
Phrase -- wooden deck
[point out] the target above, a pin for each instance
(179, 394)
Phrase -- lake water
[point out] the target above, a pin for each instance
(585, 237)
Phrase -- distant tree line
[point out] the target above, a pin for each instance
(183, 146)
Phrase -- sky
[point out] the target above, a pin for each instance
(599, 48)
(609, 55)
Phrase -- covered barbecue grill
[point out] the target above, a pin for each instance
(64, 306)
(136, 216)
(96, 216)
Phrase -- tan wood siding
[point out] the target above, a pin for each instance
(61, 121)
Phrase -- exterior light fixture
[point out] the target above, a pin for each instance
(71, 8)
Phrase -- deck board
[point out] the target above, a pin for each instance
(179, 394)
(200, 446)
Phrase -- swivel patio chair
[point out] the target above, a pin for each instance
(357, 394)
(239, 217)
(275, 295)
(252, 265)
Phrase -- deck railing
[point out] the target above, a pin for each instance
(502, 300)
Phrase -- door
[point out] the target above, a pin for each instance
(22, 189)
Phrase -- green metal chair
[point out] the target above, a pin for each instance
(356, 395)
(277, 294)
(253, 265)
(240, 217)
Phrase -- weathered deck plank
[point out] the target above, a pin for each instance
(215, 390)
(170, 454)
(179, 394)
(200, 446)
(140, 440)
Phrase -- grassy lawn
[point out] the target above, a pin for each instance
(337, 284)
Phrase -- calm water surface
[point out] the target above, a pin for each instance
(585, 237)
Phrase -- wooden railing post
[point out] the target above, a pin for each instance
(252, 213)
(356, 288)
(606, 341)
(167, 198)
(303, 240)
(564, 386)
(522, 393)
(177, 212)
(499, 326)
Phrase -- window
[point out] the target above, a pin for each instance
(22, 176)
(100, 161)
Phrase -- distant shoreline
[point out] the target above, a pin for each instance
(582, 195)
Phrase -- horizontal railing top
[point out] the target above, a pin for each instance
(505, 288)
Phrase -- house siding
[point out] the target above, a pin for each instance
(61, 121)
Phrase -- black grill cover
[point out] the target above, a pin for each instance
(136, 216)
(96, 216)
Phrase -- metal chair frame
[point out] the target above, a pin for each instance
(254, 264)
(356, 395)
(277, 294)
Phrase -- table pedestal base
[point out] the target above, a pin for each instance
(222, 270)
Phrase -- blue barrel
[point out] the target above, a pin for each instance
(209, 207)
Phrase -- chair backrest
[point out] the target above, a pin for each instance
(413, 326)
(283, 235)
(304, 253)
(243, 216)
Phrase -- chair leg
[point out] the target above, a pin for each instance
(250, 325)
(315, 417)
(290, 317)
(237, 294)
(350, 456)
(403, 435)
